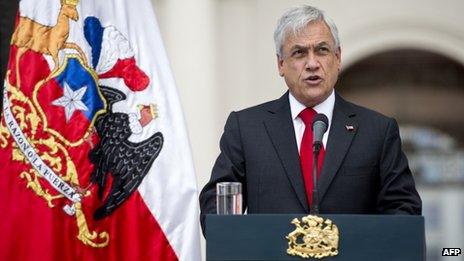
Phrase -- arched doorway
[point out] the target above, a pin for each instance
(424, 91)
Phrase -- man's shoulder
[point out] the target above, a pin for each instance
(264, 108)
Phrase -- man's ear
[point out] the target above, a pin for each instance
(280, 64)
(338, 54)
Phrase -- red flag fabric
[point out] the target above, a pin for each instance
(94, 157)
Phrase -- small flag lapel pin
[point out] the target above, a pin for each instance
(349, 127)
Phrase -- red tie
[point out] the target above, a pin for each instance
(306, 153)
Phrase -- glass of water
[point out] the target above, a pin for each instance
(229, 198)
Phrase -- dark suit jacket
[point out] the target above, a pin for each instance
(364, 171)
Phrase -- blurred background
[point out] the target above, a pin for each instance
(404, 59)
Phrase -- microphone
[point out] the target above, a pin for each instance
(320, 124)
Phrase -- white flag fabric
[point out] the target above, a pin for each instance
(95, 157)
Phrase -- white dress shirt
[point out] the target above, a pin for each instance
(326, 107)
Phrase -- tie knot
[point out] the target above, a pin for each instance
(307, 116)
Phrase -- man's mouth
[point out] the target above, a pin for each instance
(313, 80)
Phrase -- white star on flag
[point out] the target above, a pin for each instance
(71, 101)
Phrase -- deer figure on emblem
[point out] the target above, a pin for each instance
(49, 40)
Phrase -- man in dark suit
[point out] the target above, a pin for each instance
(268, 148)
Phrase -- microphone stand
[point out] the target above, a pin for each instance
(315, 205)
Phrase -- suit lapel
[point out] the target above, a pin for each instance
(279, 126)
(342, 131)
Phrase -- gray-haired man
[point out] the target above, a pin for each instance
(268, 148)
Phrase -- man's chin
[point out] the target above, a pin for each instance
(314, 98)
(312, 101)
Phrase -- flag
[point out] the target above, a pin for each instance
(95, 162)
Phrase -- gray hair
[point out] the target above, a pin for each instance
(295, 19)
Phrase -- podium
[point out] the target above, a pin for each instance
(361, 237)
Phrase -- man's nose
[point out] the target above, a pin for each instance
(312, 63)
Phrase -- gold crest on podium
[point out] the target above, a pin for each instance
(313, 237)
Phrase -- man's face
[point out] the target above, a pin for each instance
(310, 63)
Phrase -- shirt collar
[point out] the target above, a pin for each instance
(326, 107)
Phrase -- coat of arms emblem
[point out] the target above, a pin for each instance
(313, 237)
